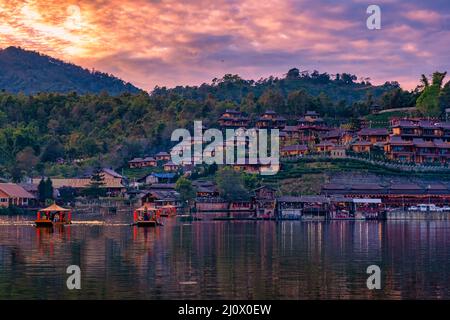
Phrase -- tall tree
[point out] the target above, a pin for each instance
(298, 102)
(48, 189)
(272, 100)
(45, 190)
(293, 73)
(96, 186)
(428, 103)
(186, 190)
(41, 190)
(231, 185)
(444, 96)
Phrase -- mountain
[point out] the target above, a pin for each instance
(31, 72)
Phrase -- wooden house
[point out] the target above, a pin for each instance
(162, 156)
(295, 150)
(12, 194)
(142, 162)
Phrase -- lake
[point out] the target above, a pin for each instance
(225, 259)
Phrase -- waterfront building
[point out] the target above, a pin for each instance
(265, 202)
(206, 189)
(393, 194)
(12, 194)
(158, 195)
(113, 182)
(304, 207)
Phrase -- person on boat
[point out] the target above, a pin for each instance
(146, 218)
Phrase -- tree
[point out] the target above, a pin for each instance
(251, 181)
(184, 187)
(49, 189)
(428, 103)
(298, 102)
(231, 185)
(41, 190)
(45, 190)
(113, 129)
(212, 168)
(272, 100)
(96, 185)
(348, 78)
(26, 159)
(52, 151)
(424, 82)
(248, 104)
(444, 96)
(293, 73)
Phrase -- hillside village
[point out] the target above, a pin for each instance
(406, 143)
(82, 149)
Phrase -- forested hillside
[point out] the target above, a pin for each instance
(31, 72)
(79, 131)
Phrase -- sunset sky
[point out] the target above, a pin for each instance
(168, 43)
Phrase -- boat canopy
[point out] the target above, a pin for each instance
(53, 208)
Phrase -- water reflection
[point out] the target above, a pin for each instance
(231, 260)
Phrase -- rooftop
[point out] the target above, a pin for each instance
(15, 191)
(374, 132)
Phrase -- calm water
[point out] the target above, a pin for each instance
(229, 260)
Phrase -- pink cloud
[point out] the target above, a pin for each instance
(172, 42)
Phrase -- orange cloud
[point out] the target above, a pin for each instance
(168, 42)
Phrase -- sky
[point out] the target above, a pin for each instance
(190, 42)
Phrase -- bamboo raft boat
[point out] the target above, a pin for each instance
(146, 217)
(53, 215)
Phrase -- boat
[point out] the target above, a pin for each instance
(53, 215)
(146, 217)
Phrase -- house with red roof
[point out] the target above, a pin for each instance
(12, 194)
